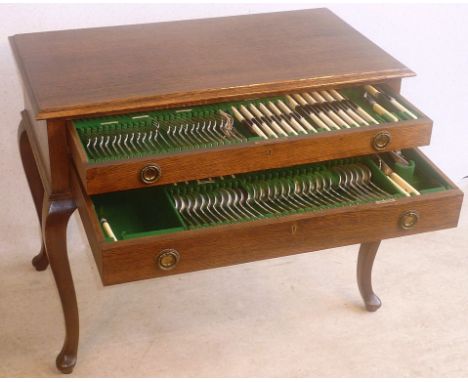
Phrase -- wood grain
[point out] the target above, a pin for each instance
(39, 148)
(135, 67)
(38, 132)
(40, 261)
(88, 217)
(59, 157)
(267, 238)
(366, 257)
(55, 216)
(246, 242)
(200, 164)
(77, 153)
(101, 71)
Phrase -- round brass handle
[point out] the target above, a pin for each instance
(409, 219)
(150, 173)
(167, 259)
(381, 140)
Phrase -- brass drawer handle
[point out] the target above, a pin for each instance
(167, 259)
(409, 219)
(150, 173)
(381, 140)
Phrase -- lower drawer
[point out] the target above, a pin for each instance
(156, 237)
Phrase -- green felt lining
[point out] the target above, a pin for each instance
(406, 172)
(142, 122)
(356, 94)
(151, 212)
(425, 179)
(138, 213)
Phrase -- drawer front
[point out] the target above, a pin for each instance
(199, 165)
(189, 164)
(210, 248)
(192, 250)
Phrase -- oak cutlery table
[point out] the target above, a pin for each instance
(196, 144)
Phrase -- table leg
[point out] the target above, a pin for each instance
(366, 257)
(56, 214)
(40, 261)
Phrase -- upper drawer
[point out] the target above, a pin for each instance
(166, 146)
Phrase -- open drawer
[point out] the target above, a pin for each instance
(324, 207)
(115, 153)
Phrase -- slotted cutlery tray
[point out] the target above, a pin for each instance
(160, 147)
(148, 221)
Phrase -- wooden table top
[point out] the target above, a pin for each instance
(81, 72)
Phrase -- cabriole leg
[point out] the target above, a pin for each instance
(366, 257)
(40, 261)
(56, 214)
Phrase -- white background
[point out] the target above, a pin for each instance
(430, 40)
